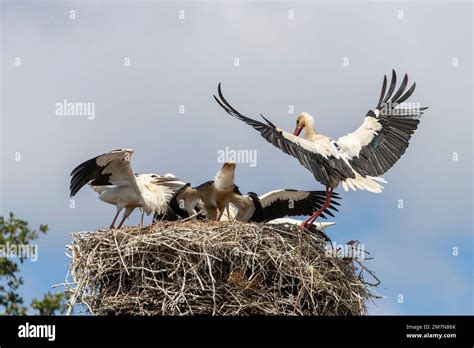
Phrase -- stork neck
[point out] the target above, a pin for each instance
(309, 133)
(224, 181)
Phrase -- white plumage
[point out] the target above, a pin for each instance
(111, 176)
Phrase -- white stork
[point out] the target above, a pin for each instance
(215, 195)
(277, 204)
(112, 177)
(356, 160)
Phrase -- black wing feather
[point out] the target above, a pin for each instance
(174, 204)
(307, 206)
(382, 94)
(326, 170)
(393, 83)
(397, 126)
(86, 172)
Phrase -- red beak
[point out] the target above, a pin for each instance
(297, 131)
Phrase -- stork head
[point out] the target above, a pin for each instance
(303, 121)
(228, 166)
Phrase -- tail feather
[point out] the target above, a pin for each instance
(367, 183)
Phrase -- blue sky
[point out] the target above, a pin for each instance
(282, 62)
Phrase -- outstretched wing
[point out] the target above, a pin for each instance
(111, 168)
(286, 202)
(384, 135)
(156, 195)
(186, 198)
(321, 158)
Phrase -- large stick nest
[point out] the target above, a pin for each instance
(224, 268)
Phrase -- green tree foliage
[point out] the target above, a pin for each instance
(51, 304)
(16, 232)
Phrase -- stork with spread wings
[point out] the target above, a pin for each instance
(355, 160)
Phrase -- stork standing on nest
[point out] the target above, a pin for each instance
(112, 177)
(215, 195)
(355, 160)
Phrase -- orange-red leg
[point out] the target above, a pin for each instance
(313, 217)
(112, 225)
(127, 212)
